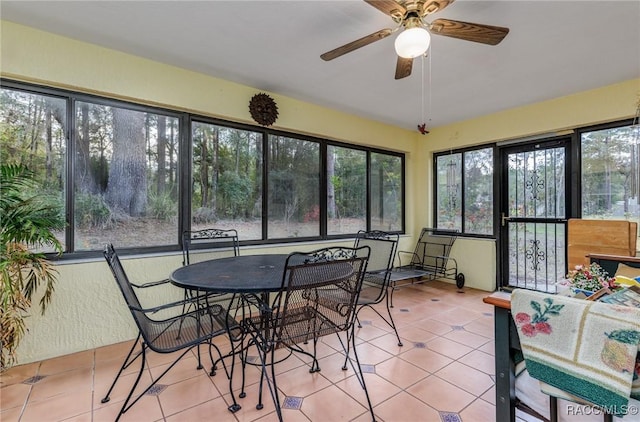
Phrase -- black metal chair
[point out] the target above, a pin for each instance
(198, 239)
(197, 326)
(206, 238)
(375, 287)
(319, 297)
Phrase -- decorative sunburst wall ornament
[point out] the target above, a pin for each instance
(263, 109)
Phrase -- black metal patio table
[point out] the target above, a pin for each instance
(235, 274)
(250, 278)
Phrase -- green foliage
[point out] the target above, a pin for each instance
(235, 194)
(92, 211)
(162, 207)
(27, 221)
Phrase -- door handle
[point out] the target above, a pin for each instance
(504, 219)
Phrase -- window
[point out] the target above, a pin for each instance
(346, 190)
(294, 188)
(464, 191)
(137, 175)
(33, 132)
(387, 191)
(226, 179)
(125, 183)
(609, 160)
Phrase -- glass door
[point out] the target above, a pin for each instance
(534, 201)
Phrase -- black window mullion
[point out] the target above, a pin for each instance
(70, 175)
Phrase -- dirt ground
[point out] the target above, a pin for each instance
(141, 232)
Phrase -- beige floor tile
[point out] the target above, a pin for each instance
(489, 348)
(448, 348)
(400, 372)
(468, 339)
(10, 415)
(490, 396)
(299, 382)
(483, 326)
(146, 409)
(458, 316)
(406, 408)
(113, 351)
(59, 407)
(441, 395)
(379, 389)
(368, 354)
(185, 368)
(331, 404)
(479, 410)
(389, 343)
(14, 395)
(188, 393)
(434, 326)
(18, 374)
(426, 359)
(70, 380)
(369, 331)
(465, 377)
(481, 361)
(121, 389)
(67, 362)
(416, 334)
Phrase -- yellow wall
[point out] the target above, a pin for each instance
(87, 310)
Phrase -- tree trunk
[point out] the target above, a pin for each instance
(331, 191)
(84, 179)
(48, 145)
(162, 146)
(204, 170)
(127, 188)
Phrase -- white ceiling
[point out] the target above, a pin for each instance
(554, 48)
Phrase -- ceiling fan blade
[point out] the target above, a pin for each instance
(433, 6)
(485, 34)
(403, 67)
(353, 45)
(389, 7)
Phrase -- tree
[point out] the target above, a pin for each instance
(127, 187)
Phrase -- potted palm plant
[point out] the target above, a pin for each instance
(27, 223)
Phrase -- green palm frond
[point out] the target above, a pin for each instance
(26, 221)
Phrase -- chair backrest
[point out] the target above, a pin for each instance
(433, 248)
(319, 292)
(383, 249)
(192, 239)
(130, 297)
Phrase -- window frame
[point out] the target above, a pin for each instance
(185, 169)
(463, 151)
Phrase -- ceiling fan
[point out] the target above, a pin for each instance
(414, 40)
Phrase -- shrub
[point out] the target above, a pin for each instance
(162, 207)
(92, 211)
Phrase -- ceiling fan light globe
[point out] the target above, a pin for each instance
(412, 42)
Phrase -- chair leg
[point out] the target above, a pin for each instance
(361, 375)
(125, 365)
(391, 322)
(125, 404)
(187, 295)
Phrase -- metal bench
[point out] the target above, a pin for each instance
(430, 260)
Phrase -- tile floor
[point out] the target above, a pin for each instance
(443, 373)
